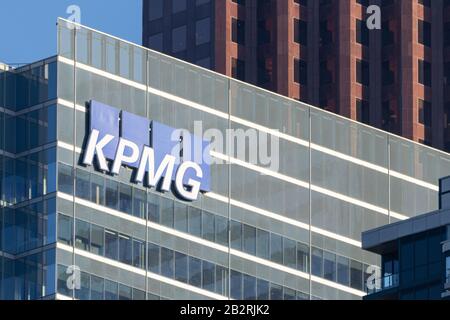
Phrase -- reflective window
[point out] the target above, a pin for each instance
(156, 8)
(112, 194)
(179, 36)
(153, 258)
(178, 5)
(97, 288)
(203, 31)
(153, 208)
(111, 290)
(249, 239)
(139, 203)
(236, 235)
(181, 217)
(166, 212)
(249, 287)
(125, 292)
(97, 240)
(236, 285)
(302, 257)
(208, 275)
(138, 254)
(329, 266)
(125, 204)
(125, 249)
(85, 287)
(82, 235)
(356, 275)
(167, 262)
(65, 229)
(276, 292)
(221, 230)
(221, 280)
(263, 290)
(343, 268)
(208, 226)
(289, 253)
(317, 262)
(276, 248)
(263, 244)
(111, 244)
(195, 222)
(82, 184)
(181, 267)
(195, 272)
(65, 179)
(97, 189)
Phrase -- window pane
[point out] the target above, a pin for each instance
(195, 222)
(111, 244)
(203, 31)
(125, 199)
(276, 248)
(167, 262)
(112, 194)
(97, 189)
(289, 253)
(249, 287)
(153, 208)
(97, 241)
(181, 219)
(139, 203)
(125, 249)
(302, 257)
(249, 239)
(65, 179)
(111, 290)
(356, 275)
(343, 270)
(236, 285)
(153, 258)
(221, 280)
(195, 272)
(125, 292)
(263, 290)
(263, 244)
(82, 231)
(221, 230)
(97, 288)
(166, 212)
(181, 267)
(138, 254)
(82, 185)
(65, 229)
(208, 226)
(317, 262)
(208, 275)
(276, 292)
(329, 266)
(179, 36)
(236, 235)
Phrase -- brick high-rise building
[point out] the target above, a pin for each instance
(322, 53)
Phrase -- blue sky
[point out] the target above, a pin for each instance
(28, 27)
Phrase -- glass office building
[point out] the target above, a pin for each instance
(294, 233)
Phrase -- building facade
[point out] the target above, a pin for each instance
(415, 255)
(322, 53)
(292, 232)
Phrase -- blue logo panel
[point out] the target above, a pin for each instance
(136, 129)
(163, 145)
(105, 119)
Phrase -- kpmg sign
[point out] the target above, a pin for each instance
(164, 157)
